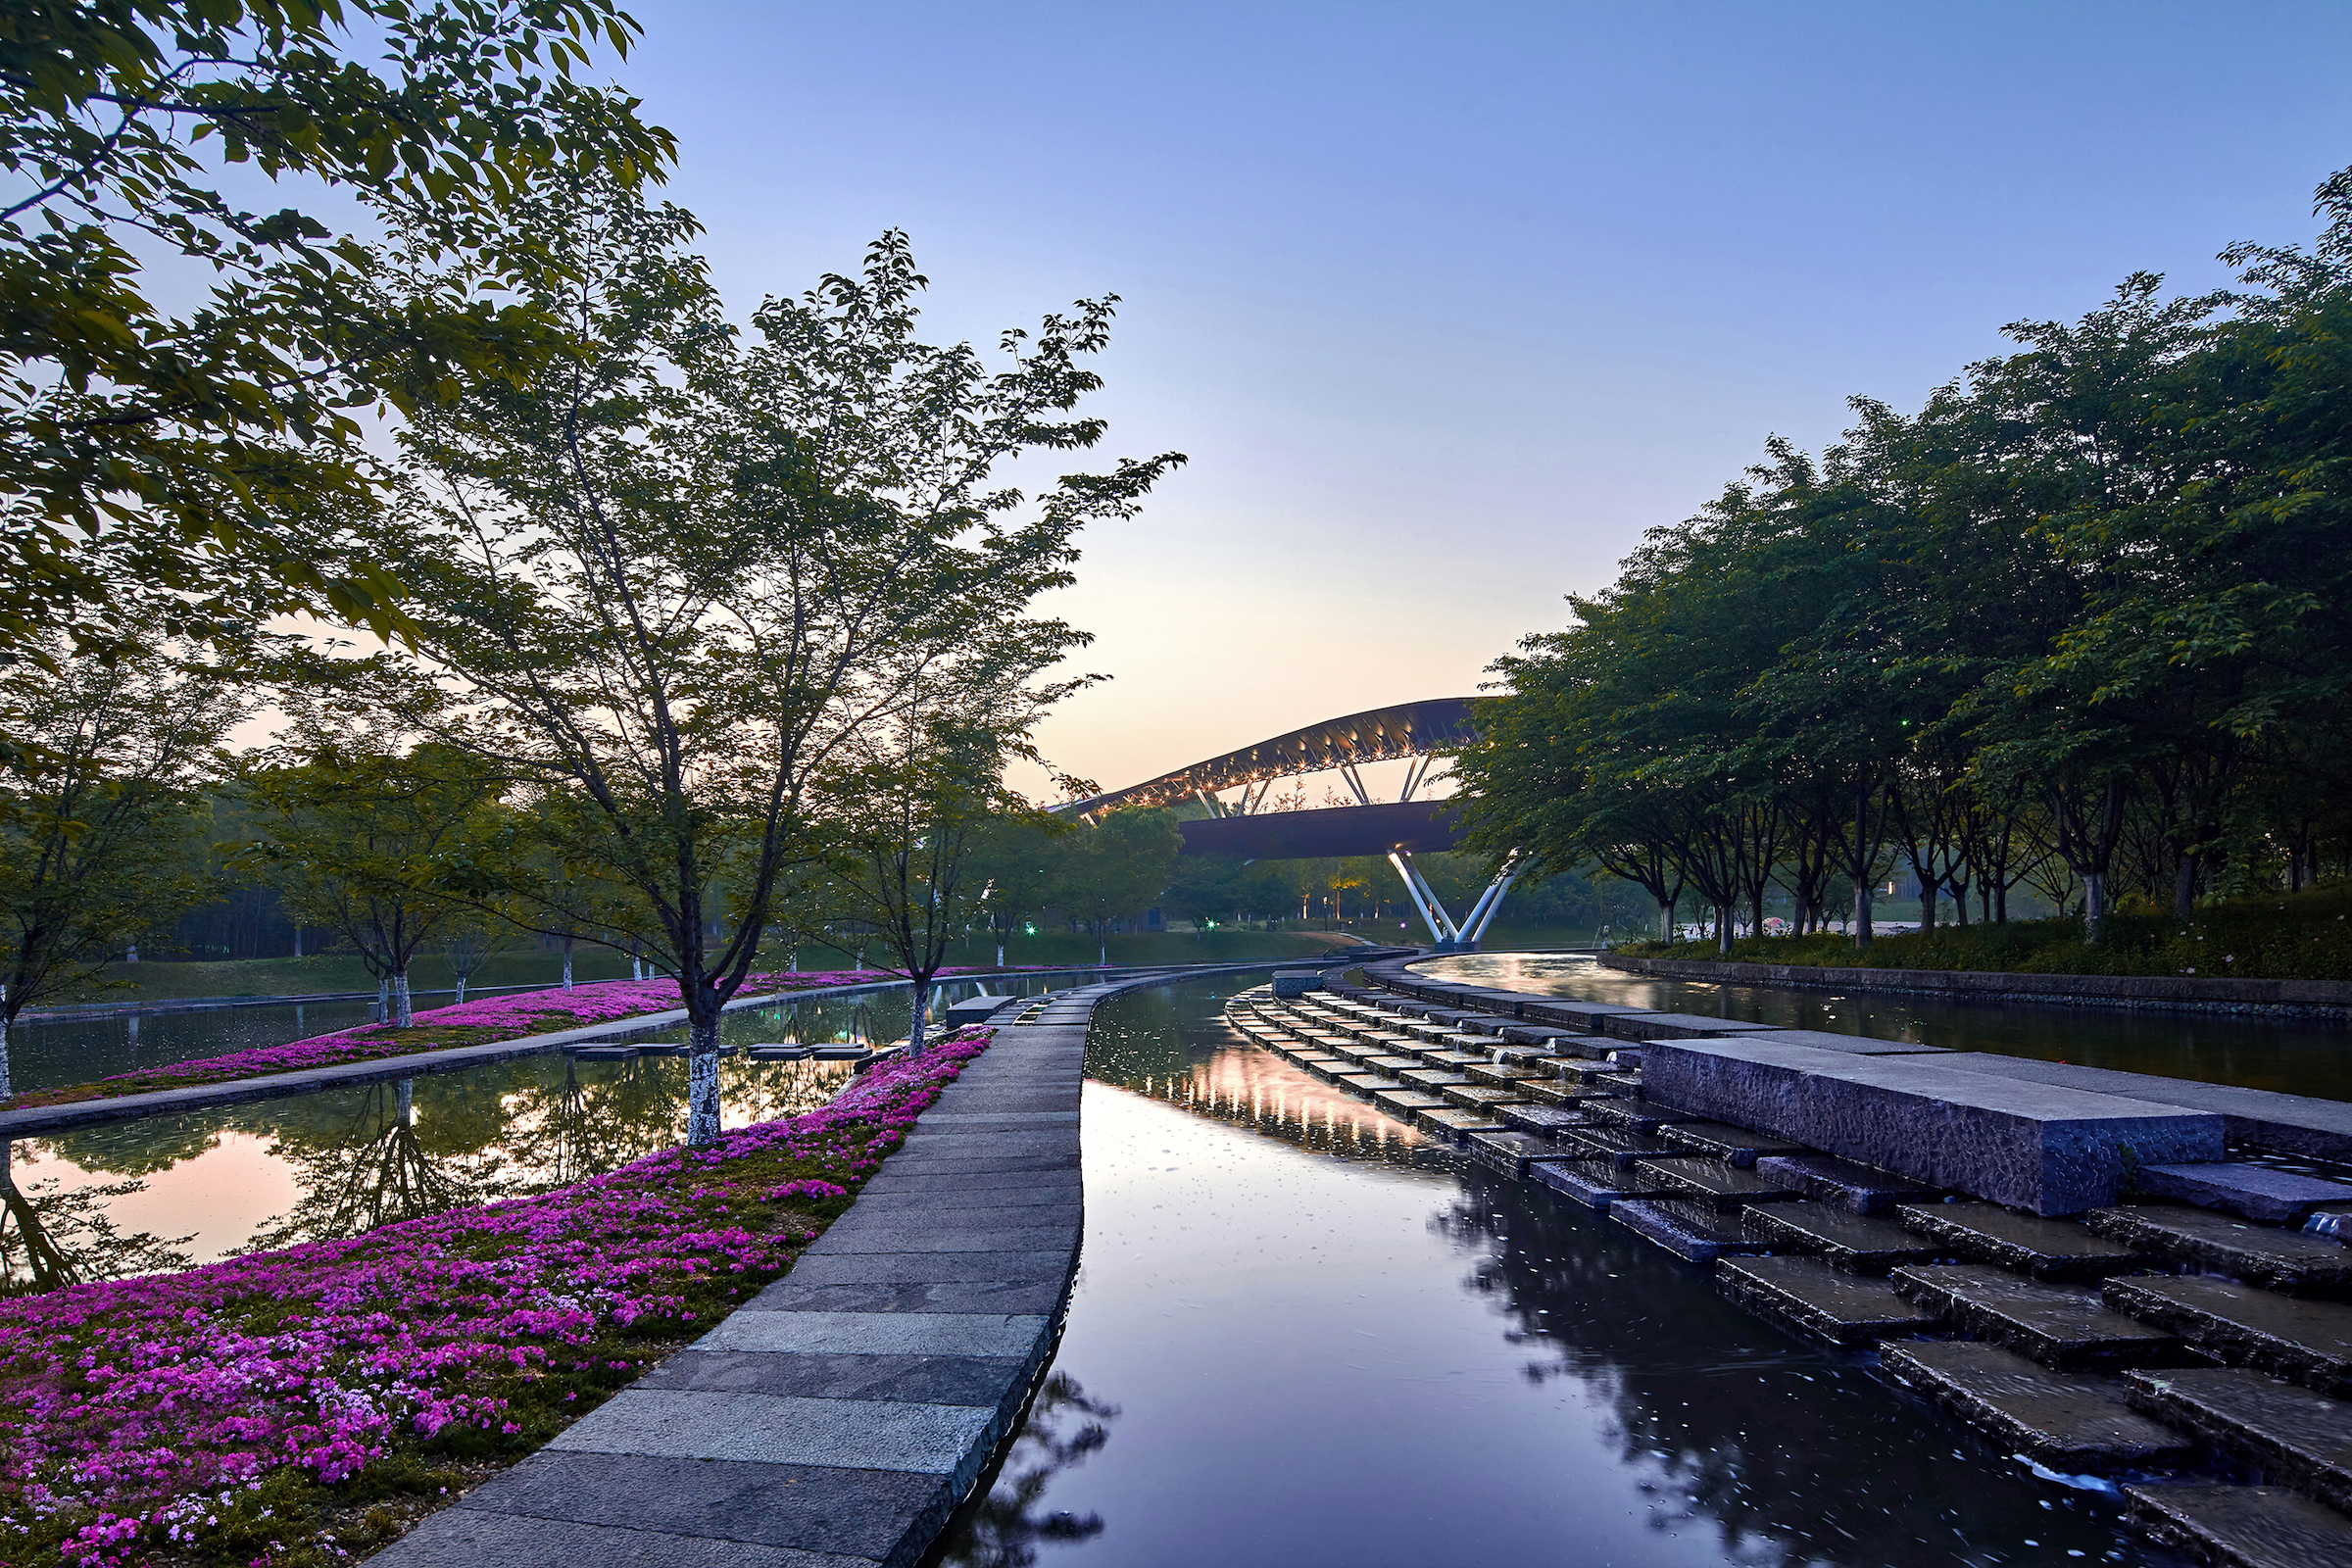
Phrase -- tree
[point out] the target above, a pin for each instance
(373, 841)
(97, 807)
(670, 577)
(172, 463)
(1119, 866)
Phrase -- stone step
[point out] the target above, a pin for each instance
(1453, 1124)
(2045, 1249)
(2060, 1327)
(1510, 1152)
(1721, 1139)
(1391, 1065)
(1478, 1047)
(1635, 1115)
(2069, 1421)
(1856, 1244)
(1482, 1098)
(1544, 1035)
(1549, 1121)
(1863, 1189)
(1555, 1069)
(2284, 1261)
(1808, 1295)
(1365, 1085)
(2257, 1191)
(1406, 1104)
(1566, 1096)
(2307, 1341)
(1628, 1084)
(1501, 1077)
(1617, 1147)
(2298, 1437)
(2242, 1526)
(1594, 1183)
(1696, 1233)
(1432, 1079)
(1453, 1060)
(1715, 1185)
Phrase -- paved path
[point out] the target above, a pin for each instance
(839, 1417)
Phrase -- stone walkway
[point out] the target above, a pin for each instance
(841, 1416)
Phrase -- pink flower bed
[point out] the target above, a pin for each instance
(489, 1019)
(244, 1411)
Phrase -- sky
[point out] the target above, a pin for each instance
(1446, 303)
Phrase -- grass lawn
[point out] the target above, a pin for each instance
(2302, 935)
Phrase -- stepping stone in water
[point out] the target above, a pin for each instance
(1844, 1182)
(1628, 1084)
(603, 1053)
(1454, 1061)
(1856, 1244)
(1365, 1085)
(2259, 1193)
(1619, 1146)
(2062, 1328)
(1696, 1233)
(841, 1053)
(1807, 1294)
(1401, 1103)
(2307, 1341)
(2070, 1421)
(1713, 1184)
(1726, 1142)
(1432, 1079)
(1453, 1124)
(1500, 1077)
(778, 1053)
(2242, 1526)
(1481, 1096)
(1635, 1115)
(1594, 1183)
(1391, 1065)
(1510, 1152)
(1565, 1095)
(2284, 1261)
(1546, 1120)
(2046, 1248)
(2298, 1437)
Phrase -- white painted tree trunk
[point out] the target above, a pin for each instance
(298, 941)
(2094, 906)
(5, 1089)
(567, 963)
(1000, 954)
(402, 1014)
(914, 1030)
(461, 991)
(702, 1085)
(405, 1098)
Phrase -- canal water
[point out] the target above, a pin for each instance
(2296, 1056)
(1302, 1335)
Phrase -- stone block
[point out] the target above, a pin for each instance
(2066, 1420)
(1594, 1184)
(2045, 1249)
(1565, 1012)
(2306, 1342)
(1859, 1188)
(1810, 1296)
(1850, 1045)
(1547, 1121)
(976, 1009)
(1454, 1125)
(1735, 1144)
(1485, 1097)
(947, 1334)
(1296, 982)
(1402, 1104)
(1645, 1026)
(2298, 1123)
(1500, 1077)
(2044, 1147)
(2257, 1191)
(2059, 1327)
(1696, 1233)
(783, 1429)
(1854, 1244)
(1510, 1152)
(2294, 1435)
(1619, 1146)
(1566, 1096)
(2284, 1261)
(2242, 1526)
(1635, 1115)
(1714, 1185)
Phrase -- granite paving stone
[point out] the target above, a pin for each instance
(1510, 1152)
(1737, 1144)
(976, 1380)
(1855, 1244)
(1548, 1120)
(966, 1333)
(2045, 1249)
(1696, 1233)
(1808, 1295)
(1714, 1183)
(1594, 1183)
(2242, 1526)
(1860, 1187)
(781, 1429)
(2070, 1421)
(2057, 1325)
(2295, 1436)
(1635, 1115)
(1454, 1124)
(2285, 1261)
(2308, 1341)
(2257, 1191)
(468, 1536)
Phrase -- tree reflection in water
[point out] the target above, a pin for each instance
(379, 1173)
(1004, 1529)
(50, 1237)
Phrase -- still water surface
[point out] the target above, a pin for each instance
(2297, 1055)
(1306, 1336)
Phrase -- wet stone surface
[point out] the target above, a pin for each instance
(2068, 1420)
(2307, 1341)
(1858, 1244)
(2298, 1437)
(2057, 1325)
(2244, 1527)
(2281, 1260)
(2045, 1249)
(1807, 1294)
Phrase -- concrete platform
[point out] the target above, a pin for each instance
(1851, 1242)
(2242, 1526)
(2306, 1342)
(2068, 1329)
(2045, 1249)
(2281, 1260)
(2295, 1436)
(1808, 1295)
(2038, 1147)
(1696, 1233)
(2069, 1421)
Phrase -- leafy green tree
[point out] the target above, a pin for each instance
(97, 809)
(173, 461)
(1118, 867)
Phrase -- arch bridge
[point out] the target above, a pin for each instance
(1420, 733)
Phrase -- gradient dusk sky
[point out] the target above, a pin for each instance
(1448, 303)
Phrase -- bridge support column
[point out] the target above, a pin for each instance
(1443, 932)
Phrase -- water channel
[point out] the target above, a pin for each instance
(1303, 1334)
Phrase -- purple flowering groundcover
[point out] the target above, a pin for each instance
(301, 1408)
(484, 1021)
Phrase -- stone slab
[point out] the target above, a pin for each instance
(2256, 1192)
(2242, 1526)
(1850, 1045)
(1713, 1184)
(1052, 1265)
(2294, 1435)
(1677, 1026)
(1566, 1096)
(1401, 1103)
(2060, 1327)
(1453, 1124)
(1546, 1120)
(1482, 1097)
(896, 1379)
(1844, 1182)
(2039, 1147)
(1510, 1152)
(2307, 1341)
(2299, 1123)
(1566, 1012)
(1724, 1141)
(2045, 1249)
(1498, 1076)
(997, 1297)
(1855, 1244)
(1696, 1233)
(1808, 1295)
(2069, 1421)
(467, 1537)
(1366, 1085)
(1622, 1148)
(1594, 1184)
(2285, 1261)
(966, 1333)
(1634, 1114)
(781, 1429)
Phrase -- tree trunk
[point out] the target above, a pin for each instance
(460, 999)
(402, 1013)
(298, 941)
(1666, 919)
(2185, 889)
(383, 999)
(1959, 903)
(922, 1013)
(702, 1083)
(1862, 891)
(568, 960)
(1723, 930)
(2094, 906)
(5, 1089)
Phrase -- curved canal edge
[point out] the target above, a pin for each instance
(841, 1416)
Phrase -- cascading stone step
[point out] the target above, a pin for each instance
(1637, 1115)
(1511, 1153)
(2045, 1249)
(1724, 1141)
(2070, 1421)
(2307, 1341)
(1453, 1124)
(2295, 1436)
(1698, 1179)
(1863, 1189)
(1482, 1097)
(1549, 1121)
(1594, 1184)
(2068, 1329)
(1854, 1244)
(2242, 1526)
(2285, 1261)
(1696, 1233)
(1807, 1294)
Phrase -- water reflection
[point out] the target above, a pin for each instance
(52, 1236)
(2302, 1056)
(1007, 1524)
(1332, 1353)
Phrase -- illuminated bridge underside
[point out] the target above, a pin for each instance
(1414, 827)
(1383, 734)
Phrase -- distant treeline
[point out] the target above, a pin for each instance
(2083, 622)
